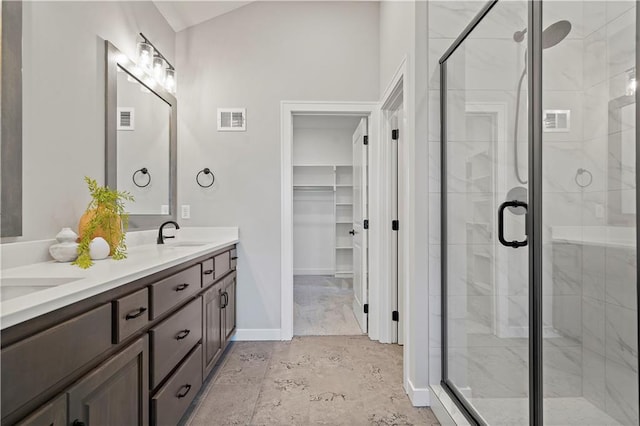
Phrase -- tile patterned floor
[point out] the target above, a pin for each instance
(328, 380)
(323, 306)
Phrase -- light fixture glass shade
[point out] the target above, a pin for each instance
(170, 80)
(158, 68)
(632, 82)
(145, 55)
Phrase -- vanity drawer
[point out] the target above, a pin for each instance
(234, 258)
(33, 365)
(167, 293)
(169, 404)
(130, 314)
(208, 275)
(223, 264)
(174, 338)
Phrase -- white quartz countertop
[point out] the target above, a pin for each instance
(144, 258)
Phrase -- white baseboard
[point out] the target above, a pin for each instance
(313, 271)
(420, 397)
(256, 334)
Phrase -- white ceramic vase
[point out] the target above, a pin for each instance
(66, 250)
(99, 248)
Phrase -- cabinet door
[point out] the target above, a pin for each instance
(230, 307)
(115, 393)
(212, 327)
(53, 413)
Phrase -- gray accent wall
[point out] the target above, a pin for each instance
(64, 101)
(255, 57)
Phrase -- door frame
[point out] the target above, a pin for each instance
(287, 110)
(394, 208)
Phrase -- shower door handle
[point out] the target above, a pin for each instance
(503, 206)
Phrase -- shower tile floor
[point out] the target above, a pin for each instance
(557, 411)
(497, 374)
(323, 306)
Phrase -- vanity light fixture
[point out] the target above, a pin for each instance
(158, 68)
(632, 82)
(145, 54)
(162, 71)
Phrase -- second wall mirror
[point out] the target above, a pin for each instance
(141, 141)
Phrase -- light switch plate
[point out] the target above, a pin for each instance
(186, 211)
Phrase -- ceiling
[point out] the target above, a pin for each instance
(184, 14)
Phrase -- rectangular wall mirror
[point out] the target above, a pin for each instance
(621, 161)
(141, 141)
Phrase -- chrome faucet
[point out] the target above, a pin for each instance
(161, 237)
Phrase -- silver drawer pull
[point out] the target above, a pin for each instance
(182, 334)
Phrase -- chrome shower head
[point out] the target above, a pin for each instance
(551, 36)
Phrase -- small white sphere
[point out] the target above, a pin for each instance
(99, 248)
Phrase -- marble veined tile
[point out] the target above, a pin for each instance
(621, 393)
(621, 336)
(620, 270)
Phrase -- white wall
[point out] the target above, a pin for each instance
(255, 57)
(63, 96)
(403, 36)
(323, 139)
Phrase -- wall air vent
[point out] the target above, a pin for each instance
(232, 119)
(557, 120)
(126, 119)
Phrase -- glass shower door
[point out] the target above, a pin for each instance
(484, 248)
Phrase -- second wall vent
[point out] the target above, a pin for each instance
(232, 119)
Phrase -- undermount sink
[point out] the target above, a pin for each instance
(186, 244)
(10, 288)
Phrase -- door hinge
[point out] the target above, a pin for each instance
(395, 134)
(366, 224)
(365, 140)
(395, 316)
(395, 225)
(366, 308)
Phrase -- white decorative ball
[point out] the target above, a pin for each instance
(99, 248)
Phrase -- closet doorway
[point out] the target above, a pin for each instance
(329, 233)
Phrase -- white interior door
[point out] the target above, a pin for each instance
(360, 207)
(395, 119)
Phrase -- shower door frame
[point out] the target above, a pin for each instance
(534, 213)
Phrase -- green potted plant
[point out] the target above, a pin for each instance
(105, 217)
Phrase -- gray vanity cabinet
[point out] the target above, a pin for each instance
(132, 356)
(229, 306)
(212, 326)
(116, 392)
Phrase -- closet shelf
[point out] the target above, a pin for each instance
(314, 187)
(344, 204)
(344, 248)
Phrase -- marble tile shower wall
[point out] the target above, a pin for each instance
(608, 290)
